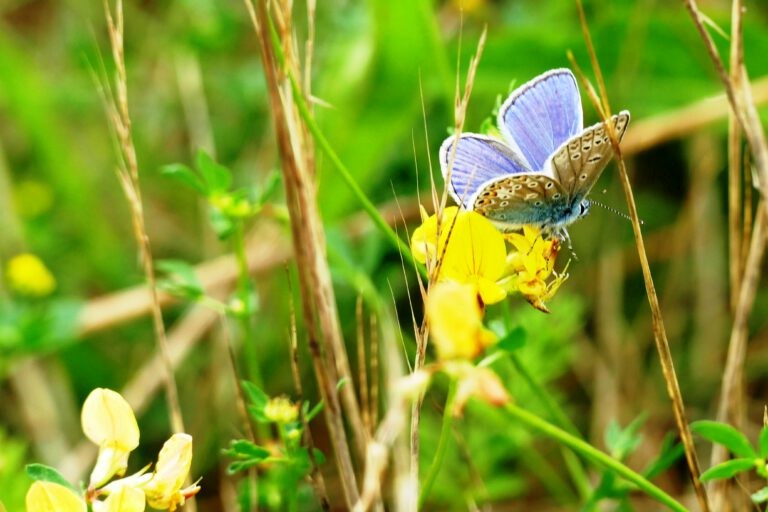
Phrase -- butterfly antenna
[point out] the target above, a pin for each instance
(614, 210)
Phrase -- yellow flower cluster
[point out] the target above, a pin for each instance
(467, 260)
(108, 420)
(26, 275)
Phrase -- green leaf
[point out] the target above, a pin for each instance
(763, 442)
(242, 448)
(216, 176)
(622, 442)
(513, 340)
(45, 473)
(181, 280)
(726, 435)
(760, 496)
(185, 175)
(728, 469)
(669, 453)
(256, 396)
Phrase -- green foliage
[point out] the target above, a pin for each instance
(722, 433)
(286, 464)
(13, 481)
(49, 474)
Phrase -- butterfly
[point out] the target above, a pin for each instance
(544, 166)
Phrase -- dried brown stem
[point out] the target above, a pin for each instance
(735, 163)
(460, 112)
(659, 331)
(318, 482)
(318, 302)
(740, 96)
(128, 173)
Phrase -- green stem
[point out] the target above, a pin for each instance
(245, 319)
(593, 454)
(442, 444)
(314, 129)
(572, 463)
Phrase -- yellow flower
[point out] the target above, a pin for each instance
(108, 420)
(531, 265)
(124, 499)
(27, 275)
(164, 490)
(281, 410)
(469, 250)
(455, 321)
(51, 497)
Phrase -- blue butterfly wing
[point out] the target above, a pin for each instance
(478, 159)
(541, 115)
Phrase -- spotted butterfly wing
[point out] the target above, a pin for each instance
(513, 201)
(476, 160)
(578, 163)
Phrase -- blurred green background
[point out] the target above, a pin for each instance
(195, 81)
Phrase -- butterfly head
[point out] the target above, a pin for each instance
(584, 207)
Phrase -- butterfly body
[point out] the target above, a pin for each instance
(541, 170)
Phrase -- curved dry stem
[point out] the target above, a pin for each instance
(659, 331)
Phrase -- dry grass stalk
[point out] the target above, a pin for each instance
(422, 335)
(387, 433)
(660, 335)
(316, 477)
(735, 205)
(738, 90)
(116, 105)
(318, 302)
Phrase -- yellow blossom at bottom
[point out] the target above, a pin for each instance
(51, 497)
(108, 420)
(164, 490)
(125, 499)
(27, 275)
(455, 321)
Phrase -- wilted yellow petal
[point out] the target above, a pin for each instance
(455, 321)
(164, 491)
(108, 420)
(483, 384)
(51, 497)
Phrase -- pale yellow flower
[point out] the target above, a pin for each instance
(530, 266)
(281, 410)
(455, 321)
(51, 497)
(108, 420)
(164, 490)
(27, 275)
(124, 499)
(469, 249)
